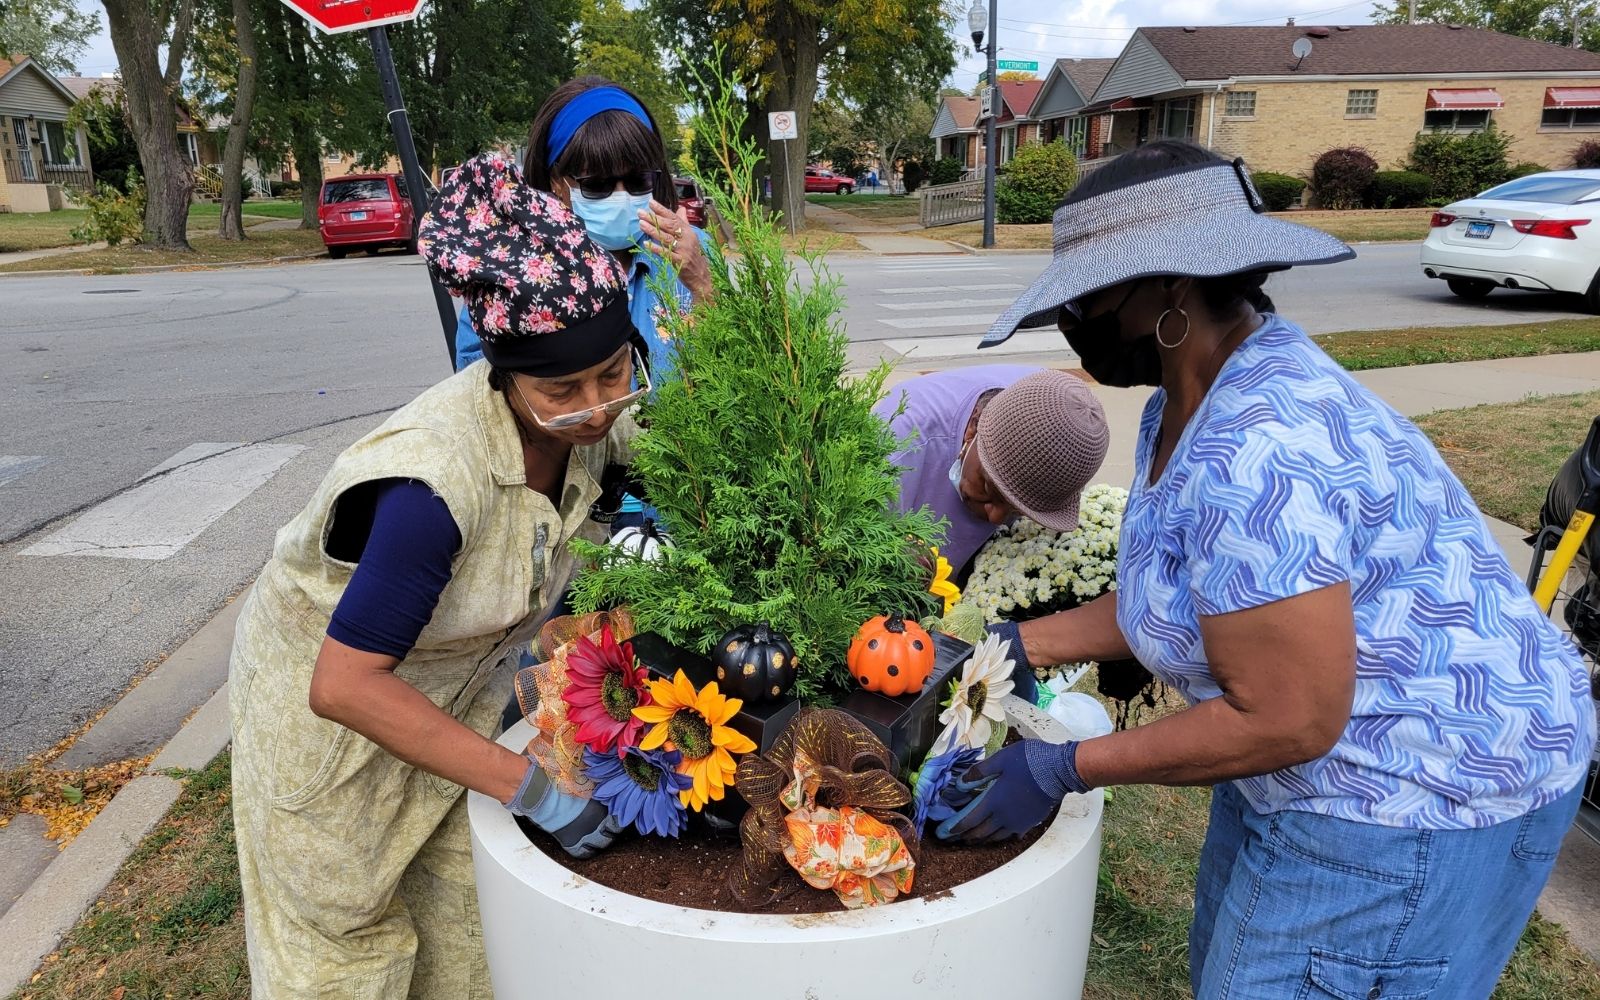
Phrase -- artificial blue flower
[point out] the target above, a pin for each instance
(641, 788)
(936, 774)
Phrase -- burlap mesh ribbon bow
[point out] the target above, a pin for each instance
(823, 802)
(539, 689)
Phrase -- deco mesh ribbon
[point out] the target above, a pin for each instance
(539, 690)
(823, 801)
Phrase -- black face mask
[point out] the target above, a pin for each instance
(1108, 358)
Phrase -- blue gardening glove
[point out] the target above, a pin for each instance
(1012, 792)
(1025, 684)
(583, 827)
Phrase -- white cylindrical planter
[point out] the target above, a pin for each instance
(1020, 932)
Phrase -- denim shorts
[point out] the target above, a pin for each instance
(1293, 905)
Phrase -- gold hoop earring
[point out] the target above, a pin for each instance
(1163, 318)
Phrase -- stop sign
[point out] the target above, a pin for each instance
(333, 16)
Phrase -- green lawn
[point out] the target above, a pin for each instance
(38, 230)
(44, 230)
(1507, 453)
(870, 208)
(209, 249)
(277, 209)
(1426, 345)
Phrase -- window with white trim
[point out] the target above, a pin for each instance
(1570, 118)
(1454, 120)
(1239, 104)
(1361, 104)
(1177, 119)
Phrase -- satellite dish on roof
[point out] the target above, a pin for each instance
(1301, 49)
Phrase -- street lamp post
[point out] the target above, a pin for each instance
(975, 21)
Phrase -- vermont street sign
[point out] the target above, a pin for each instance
(1023, 64)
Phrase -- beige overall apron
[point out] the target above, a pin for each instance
(357, 867)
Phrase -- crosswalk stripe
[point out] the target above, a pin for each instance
(946, 303)
(157, 518)
(976, 321)
(16, 466)
(924, 289)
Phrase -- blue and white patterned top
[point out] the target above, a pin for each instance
(1470, 707)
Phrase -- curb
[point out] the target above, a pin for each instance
(159, 268)
(35, 924)
(980, 251)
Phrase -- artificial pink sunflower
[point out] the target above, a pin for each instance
(604, 685)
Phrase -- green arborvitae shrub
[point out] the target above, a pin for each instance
(945, 170)
(1279, 191)
(767, 465)
(1036, 178)
(114, 217)
(1587, 155)
(913, 175)
(1341, 178)
(1400, 189)
(1462, 165)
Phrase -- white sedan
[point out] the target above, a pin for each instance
(1539, 232)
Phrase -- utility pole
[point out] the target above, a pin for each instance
(991, 155)
(400, 125)
(1411, 12)
(1577, 22)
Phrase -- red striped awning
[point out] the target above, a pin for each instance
(1572, 97)
(1480, 99)
(1130, 104)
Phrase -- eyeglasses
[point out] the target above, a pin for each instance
(612, 408)
(598, 188)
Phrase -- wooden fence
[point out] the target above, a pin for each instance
(947, 204)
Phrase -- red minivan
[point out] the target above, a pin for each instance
(365, 212)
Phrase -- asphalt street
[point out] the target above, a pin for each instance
(156, 430)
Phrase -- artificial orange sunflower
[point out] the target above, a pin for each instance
(695, 723)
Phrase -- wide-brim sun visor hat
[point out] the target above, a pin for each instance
(1202, 221)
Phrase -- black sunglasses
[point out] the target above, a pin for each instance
(597, 188)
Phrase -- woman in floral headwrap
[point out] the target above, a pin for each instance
(375, 651)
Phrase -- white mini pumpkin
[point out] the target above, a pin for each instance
(644, 542)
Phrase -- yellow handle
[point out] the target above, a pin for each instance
(1577, 530)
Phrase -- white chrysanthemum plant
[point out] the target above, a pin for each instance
(975, 719)
(1028, 571)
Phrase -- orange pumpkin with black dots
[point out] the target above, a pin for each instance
(891, 656)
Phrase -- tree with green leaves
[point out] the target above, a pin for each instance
(621, 45)
(782, 51)
(54, 32)
(1545, 20)
(462, 97)
(766, 461)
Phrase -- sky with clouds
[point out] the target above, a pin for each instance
(1037, 30)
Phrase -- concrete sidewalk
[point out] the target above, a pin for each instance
(44, 893)
(889, 239)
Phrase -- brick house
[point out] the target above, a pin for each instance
(40, 158)
(959, 132)
(1066, 90)
(1244, 92)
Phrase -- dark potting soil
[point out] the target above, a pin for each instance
(693, 870)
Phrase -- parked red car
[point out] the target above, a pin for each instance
(691, 201)
(365, 212)
(823, 181)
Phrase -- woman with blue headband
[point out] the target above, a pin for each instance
(596, 147)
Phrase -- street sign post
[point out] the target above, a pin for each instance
(336, 16)
(1027, 65)
(783, 127)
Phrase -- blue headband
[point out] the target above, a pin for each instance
(584, 107)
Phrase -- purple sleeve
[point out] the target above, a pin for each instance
(404, 540)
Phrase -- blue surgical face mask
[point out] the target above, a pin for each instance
(955, 470)
(612, 221)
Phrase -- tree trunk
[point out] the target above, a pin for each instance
(149, 93)
(304, 137)
(244, 99)
(792, 72)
